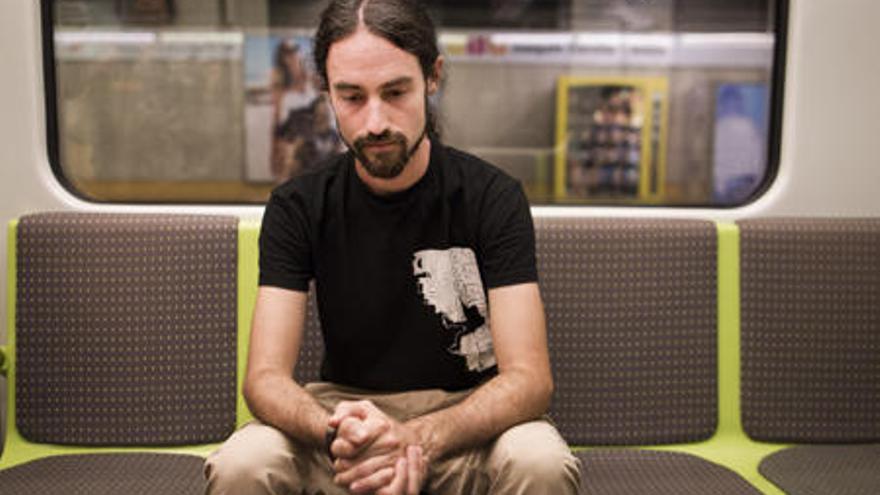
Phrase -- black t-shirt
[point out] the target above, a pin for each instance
(401, 279)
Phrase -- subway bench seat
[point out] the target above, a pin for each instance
(811, 350)
(123, 348)
(632, 319)
(127, 336)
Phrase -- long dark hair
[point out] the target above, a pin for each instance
(405, 23)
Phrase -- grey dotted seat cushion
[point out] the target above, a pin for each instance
(810, 320)
(126, 328)
(106, 474)
(825, 469)
(311, 353)
(640, 472)
(631, 311)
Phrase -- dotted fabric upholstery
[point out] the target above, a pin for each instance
(811, 329)
(126, 328)
(640, 472)
(311, 353)
(106, 474)
(825, 469)
(631, 314)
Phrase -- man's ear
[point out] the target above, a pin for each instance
(434, 81)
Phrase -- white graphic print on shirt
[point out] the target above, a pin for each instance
(449, 281)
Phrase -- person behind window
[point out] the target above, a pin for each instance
(293, 94)
(436, 372)
(320, 140)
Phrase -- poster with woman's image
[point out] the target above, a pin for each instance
(289, 124)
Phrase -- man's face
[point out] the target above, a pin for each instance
(378, 93)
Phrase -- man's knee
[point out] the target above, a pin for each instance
(533, 458)
(251, 461)
(545, 468)
(229, 472)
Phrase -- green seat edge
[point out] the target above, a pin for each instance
(248, 278)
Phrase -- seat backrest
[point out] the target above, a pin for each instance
(311, 353)
(125, 328)
(632, 325)
(811, 329)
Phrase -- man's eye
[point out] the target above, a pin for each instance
(394, 93)
(352, 98)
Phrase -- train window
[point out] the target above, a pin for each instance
(612, 102)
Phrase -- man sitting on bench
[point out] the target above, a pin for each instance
(436, 371)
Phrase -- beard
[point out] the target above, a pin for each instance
(391, 160)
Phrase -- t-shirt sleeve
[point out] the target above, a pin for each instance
(507, 238)
(285, 250)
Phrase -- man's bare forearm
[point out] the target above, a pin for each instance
(504, 401)
(279, 401)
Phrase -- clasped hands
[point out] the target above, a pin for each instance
(375, 453)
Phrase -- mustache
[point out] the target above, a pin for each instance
(383, 137)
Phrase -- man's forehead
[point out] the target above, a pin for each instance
(367, 60)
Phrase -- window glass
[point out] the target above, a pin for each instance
(661, 102)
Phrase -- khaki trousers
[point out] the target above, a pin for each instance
(530, 458)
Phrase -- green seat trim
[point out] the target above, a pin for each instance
(4, 361)
(248, 278)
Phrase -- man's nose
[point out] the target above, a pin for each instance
(377, 121)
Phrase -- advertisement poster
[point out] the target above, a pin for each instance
(289, 125)
(145, 11)
(739, 145)
(611, 135)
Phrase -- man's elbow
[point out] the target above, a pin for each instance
(539, 387)
(544, 392)
(253, 384)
